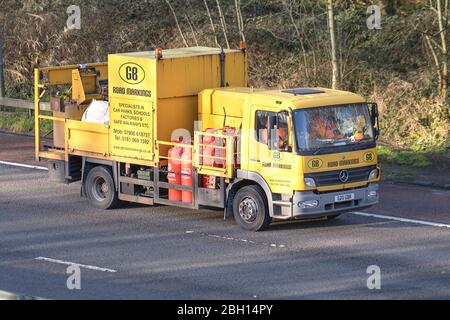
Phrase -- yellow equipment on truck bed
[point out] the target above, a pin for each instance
(185, 130)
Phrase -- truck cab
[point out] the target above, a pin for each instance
(312, 150)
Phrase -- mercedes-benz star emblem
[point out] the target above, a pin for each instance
(343, 175)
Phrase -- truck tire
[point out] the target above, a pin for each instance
(100, 188)
(250, 208)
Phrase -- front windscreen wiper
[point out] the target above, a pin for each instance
(351, 147)
(360, 145)
(319, 149)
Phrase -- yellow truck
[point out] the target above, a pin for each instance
(183, 128)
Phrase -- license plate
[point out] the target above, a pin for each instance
(344, 197)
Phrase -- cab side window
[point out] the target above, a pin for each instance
(261, 125)
(278, 134)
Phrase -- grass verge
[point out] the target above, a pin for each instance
(21, 122)
(426, 168)
(401, 157)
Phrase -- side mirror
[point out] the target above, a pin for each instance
(376, 133)
(374, 119)
(374, 113)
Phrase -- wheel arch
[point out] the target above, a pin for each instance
(245, 178)
(89, 163)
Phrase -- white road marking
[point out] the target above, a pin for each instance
(422, 222)
(76, 264)
(273, 245)
(23, 165)
(6, 295)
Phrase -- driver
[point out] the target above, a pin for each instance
(282, 135)
(323, 126)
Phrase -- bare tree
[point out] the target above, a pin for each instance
(289, 5)
(439, 51)
(240, 20)
(223, 24)
(334, 62)
(176, 22)
(211, 22)
(192, 28)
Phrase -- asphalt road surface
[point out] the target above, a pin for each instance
(160, 252)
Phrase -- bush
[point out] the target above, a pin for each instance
(21, 122)
(411, 121)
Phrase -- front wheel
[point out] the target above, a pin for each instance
(250, 208)
(100, 188)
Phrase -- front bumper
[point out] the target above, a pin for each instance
(327, 205)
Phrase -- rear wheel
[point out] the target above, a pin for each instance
(250, 208)
(100, 188)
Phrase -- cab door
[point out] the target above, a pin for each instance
(271, 149)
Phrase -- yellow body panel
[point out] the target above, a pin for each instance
(159, 99)
(89, 137)
(131, 86)
(63, 75)
(84, 86)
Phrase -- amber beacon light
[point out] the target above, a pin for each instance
(243, 45)
(158, 53)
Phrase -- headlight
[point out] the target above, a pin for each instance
(373, 174)
(308, 204)
(309, 182)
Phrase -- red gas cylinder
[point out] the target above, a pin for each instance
(208, 155)
(230, 131)
(209, 139)
(174, 175)
(186, 177)
(208, 152)
(207, 148)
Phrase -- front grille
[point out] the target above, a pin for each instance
(330, 178)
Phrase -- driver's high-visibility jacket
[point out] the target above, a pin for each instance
(322, 129)
(282, 137)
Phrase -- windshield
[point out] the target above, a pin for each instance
(326, 127)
